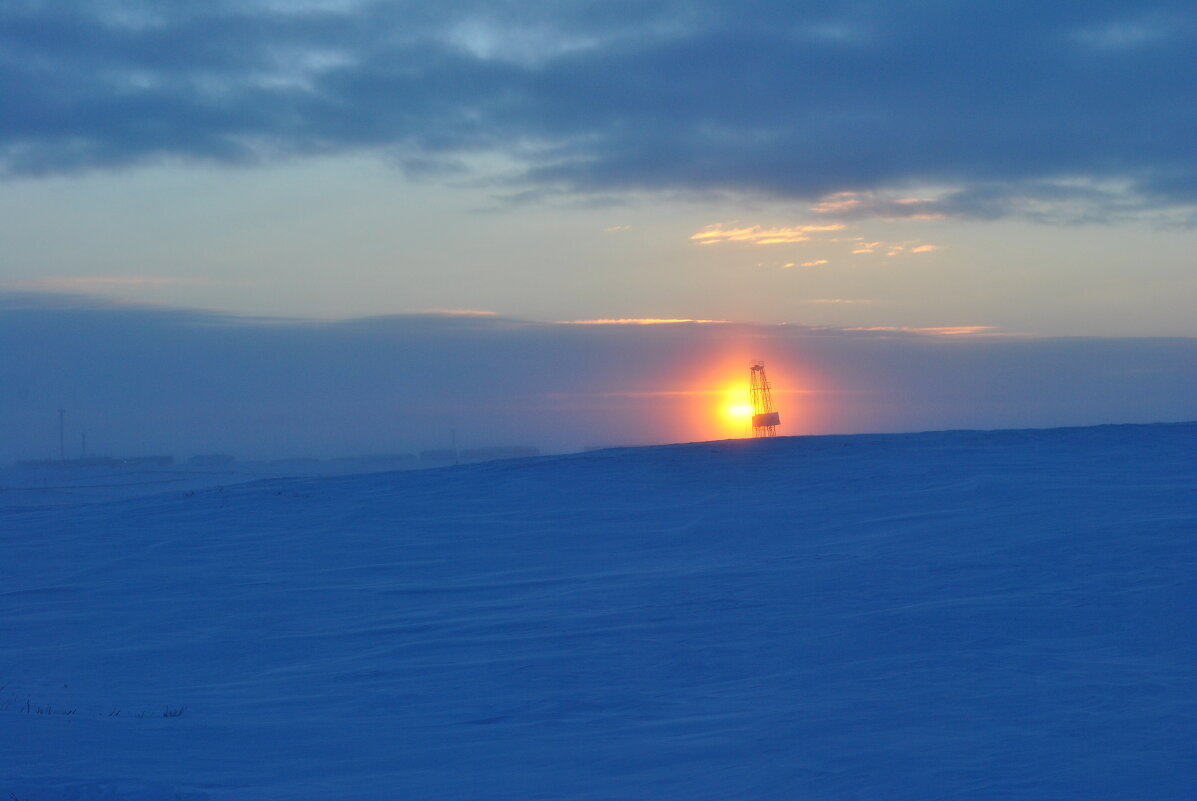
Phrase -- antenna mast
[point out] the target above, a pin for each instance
(765, 419)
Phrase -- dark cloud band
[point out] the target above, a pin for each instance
(1078, 109)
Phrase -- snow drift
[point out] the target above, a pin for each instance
(949, 615)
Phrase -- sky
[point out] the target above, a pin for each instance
(1013, 181)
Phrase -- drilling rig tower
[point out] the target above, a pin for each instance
(765, 419)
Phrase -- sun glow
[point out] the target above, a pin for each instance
(714, 402)
(736, 411)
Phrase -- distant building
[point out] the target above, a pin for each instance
(211, 460)
(376, 457)
(147, 461)
(98, 461)
(90, 461)
(509, 452)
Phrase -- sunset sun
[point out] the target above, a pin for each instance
(734, 410)
(738, 411)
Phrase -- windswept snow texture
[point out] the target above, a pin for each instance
(981, 615)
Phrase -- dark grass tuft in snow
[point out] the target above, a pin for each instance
(945, 615)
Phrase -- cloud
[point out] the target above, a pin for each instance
(815, 263)
(893, 248)
(947, 330)
(459, 312)
(1082, 111)
(758, 235)
(99, 283)
(887, 205)
(638, 321)
(14, 298)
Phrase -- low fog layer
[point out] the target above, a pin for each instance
(181, 382)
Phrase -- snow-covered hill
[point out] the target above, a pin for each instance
(1004, 615)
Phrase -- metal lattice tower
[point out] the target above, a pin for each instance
(765, 419)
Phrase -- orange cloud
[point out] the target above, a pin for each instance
(947, 330)
(894, 249)
(842, 201)
(639, 321)
(758, 235)
(814, 263)
(879, 204)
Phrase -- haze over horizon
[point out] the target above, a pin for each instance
(144, 380)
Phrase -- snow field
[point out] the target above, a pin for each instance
(942, 615)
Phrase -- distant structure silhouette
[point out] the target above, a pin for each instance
(765, 419)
